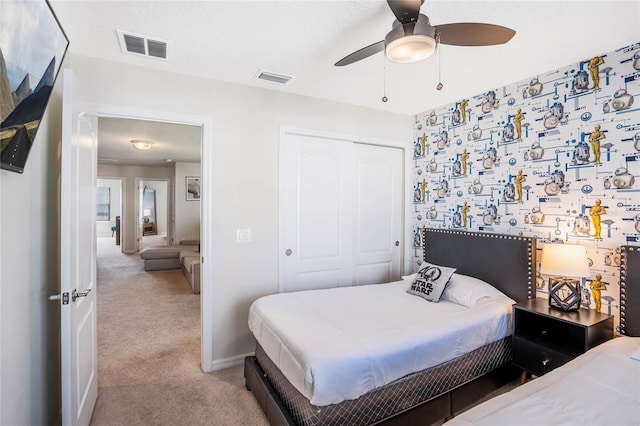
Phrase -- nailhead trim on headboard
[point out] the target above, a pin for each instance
(624, 279)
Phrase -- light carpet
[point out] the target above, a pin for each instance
(149, 352)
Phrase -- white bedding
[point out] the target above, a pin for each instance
(338, 344)
(600, 387)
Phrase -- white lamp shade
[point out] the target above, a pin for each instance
(566, 260)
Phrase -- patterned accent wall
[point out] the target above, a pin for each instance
(556, 156)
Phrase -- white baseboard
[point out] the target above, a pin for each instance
(221, 364)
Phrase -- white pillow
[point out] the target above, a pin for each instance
(465, 290)
(430, 281)
(409, 277)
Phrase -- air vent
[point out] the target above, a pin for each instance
(134, 44)
(157, 49)
(273, 77)
(142, 45)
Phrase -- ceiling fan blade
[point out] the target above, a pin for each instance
(406, 11)
(473, 34)
(365, 52)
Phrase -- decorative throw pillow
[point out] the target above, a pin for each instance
(430, 281)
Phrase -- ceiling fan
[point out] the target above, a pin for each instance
(412, 37)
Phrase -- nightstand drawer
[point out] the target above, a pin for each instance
(535, 358)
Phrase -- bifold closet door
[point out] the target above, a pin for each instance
(340, 213)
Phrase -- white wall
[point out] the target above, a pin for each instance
(245, 125)
(129, 175)
(29, 272)
(103, 228)
(187, 220)
(162, 198)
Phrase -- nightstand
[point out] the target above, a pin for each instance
(545, 338)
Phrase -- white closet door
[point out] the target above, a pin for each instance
(340, 213)
(378, 236)
(316, 213)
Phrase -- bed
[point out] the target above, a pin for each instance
(288, 386)
(599, 387)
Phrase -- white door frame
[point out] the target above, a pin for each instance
(206, 207)
(405, 146)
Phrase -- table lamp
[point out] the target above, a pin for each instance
(566, 263)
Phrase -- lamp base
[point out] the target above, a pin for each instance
(564, 293)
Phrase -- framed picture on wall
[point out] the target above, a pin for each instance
(193, 188)
(32, 47)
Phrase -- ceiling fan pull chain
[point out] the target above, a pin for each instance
(440, 85)
(384, 78)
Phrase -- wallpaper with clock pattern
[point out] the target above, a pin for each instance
(556, 156)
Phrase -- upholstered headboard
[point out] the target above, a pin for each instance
(506, 261)
(630, 290)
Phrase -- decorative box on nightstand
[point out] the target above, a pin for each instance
(545, 338)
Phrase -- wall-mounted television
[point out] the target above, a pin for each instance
(32, 47)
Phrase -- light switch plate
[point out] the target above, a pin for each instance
(243, 235)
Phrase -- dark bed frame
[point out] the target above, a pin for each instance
(506, 261)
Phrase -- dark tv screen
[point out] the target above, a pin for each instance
(32, 47)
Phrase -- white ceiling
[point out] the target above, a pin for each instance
(232, 40)
(175, 142)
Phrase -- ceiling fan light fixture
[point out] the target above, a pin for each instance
(141, 144)
(411, 48)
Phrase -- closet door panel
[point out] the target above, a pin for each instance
(316, 210)
(341, 206)
(379, 182)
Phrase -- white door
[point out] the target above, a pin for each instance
(316, 190)
(78, 259)
(341, 213)
(378, 210)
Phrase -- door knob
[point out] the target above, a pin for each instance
(397, 243)
(288, 252)
(76, 294)
(57, 296)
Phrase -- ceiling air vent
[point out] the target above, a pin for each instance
(273, 77)
(142, 45)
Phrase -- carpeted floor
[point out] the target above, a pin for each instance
(149, 352)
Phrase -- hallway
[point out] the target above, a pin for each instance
(149, 352)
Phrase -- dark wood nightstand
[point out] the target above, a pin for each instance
(545, 338)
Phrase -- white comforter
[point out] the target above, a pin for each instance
(600, 387)
(338, 344)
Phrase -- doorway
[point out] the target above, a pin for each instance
(109, 214)
(176, 185)
(154, 202)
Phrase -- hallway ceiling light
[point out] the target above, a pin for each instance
(141, 144)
